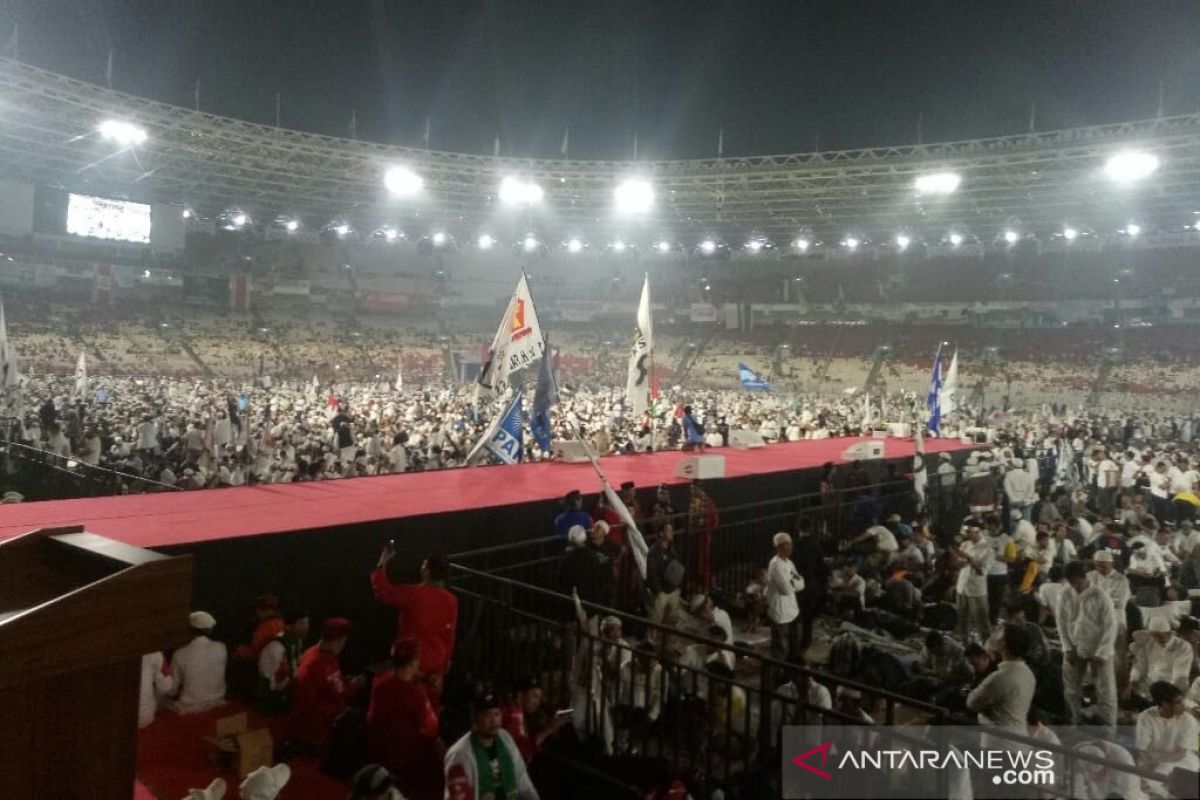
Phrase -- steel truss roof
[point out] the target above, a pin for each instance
(1039, 181)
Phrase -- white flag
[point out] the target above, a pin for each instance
(950, 388)
(640, 382)
(81, 382)
(399, 373)
(10, 375)
(518, 342)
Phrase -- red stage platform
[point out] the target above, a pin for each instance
(155, 520)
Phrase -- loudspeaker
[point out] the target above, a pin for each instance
(864, 451)
(571, 452)
(701, 467)
(745, 440)
(901, 430)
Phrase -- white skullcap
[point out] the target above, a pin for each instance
(698, 602)
(201, 620)
(1103, 557)
(601, 525)
(265, 783)
(1159, 625)
(780, 538)
(576, 535)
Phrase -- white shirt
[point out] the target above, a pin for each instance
(1049, 593)
(1116, 586)
(1018, 485)
(153, 683)
(1156, 732)
(885, 540)
(199, 668)
(1024, 534)
(1108, 474)
(972, 583)
(783, 581)
(1003, 698)
(1086, 622)
(999, 543)
(1146, 561)
(1154, 662)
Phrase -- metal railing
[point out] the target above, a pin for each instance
(660, 710)
(43, 475)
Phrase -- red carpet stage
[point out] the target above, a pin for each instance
(163, 520)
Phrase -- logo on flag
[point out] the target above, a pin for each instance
(504, 443)
(519, 328)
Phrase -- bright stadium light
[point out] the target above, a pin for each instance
(851, 243)
(1011, 236)
(938, 183)
(1130, 166)
(123, 133)
(530, 244)
(956, 239)
(574, 246)
(755, 245)
(292, 225)
(802, 244)
(1070, 234)
(342, 229)
(401, 181)
(1133, 229)
(634, 196)
(708, 247)
(663, 247)
(188, 213)
(486, 241)
(391, 234)
(618, 246)
(516, 192)
(239, 220)
(439, 238)
(903, 241)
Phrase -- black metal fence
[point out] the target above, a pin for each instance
(42, 475)
(650, 703)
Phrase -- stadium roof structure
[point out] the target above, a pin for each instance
(1039, 181)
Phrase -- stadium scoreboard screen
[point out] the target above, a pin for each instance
(101, 218)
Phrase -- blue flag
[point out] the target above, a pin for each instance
(933, 401)
(505, 442)
(752, 381)
(545, 398)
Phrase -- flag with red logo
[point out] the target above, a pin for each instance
(518, 342)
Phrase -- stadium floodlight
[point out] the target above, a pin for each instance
(755, 245)
(903, 241)
(292, 225)
(391, 234)
(486, 241)
(634, 196)
(401, 181)
(1133, 229)
(618, 246)
(708, 247)
(802, 244)
(663, 247)
(938, 183)
(439, 238)
(851, 243)
(188, 213)
(342, 229)
(574, 246)
(1131, 165)
(530, 244)
(1070, 234)
(517, 192)
(238, 219)
(1011, 236)
(123, 133)
(956, 239)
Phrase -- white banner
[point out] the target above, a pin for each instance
(639, 383)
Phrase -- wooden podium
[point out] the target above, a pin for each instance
(77, 611)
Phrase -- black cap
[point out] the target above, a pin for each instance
(484, 702)
(574, 494)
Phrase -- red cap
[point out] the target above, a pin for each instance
(404, 650)
(335, 628)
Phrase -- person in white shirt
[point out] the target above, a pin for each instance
(847, 588)
(783, 610)
(1024, 534)
(1087, 628)
(155, 681)
(883, 550)
(787, 710)
(972, 585)
(1157, 654)
(1018, 486)
(1094, 779)
(1107, 481)
(1166, 736)
(198, 668)
(1003, 554)
(705, 614)
(1002, 699)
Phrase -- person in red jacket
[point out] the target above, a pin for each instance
(321, 692)
(702, 525)
(428, 613)
(402, 727)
